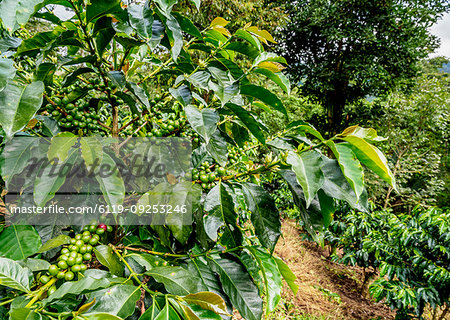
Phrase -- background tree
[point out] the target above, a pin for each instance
(418, 152)
(342, 51)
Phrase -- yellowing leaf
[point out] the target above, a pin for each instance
(272, 66)
(208, 301)
(219, 22)
(222, 30)
(85, 307)
(32, 123)
(364, 133)
(247, 25)
(262, 34)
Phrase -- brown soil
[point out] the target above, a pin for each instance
(326, 288)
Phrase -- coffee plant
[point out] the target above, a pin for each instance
(108, 69)
(411, 253)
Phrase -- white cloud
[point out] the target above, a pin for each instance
(442, 30)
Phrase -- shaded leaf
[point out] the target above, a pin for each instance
(238, 286)
(264, 214)
(14, 276)
(109, 259)
(350, 166)
(176, 280)
(119, 300)
(19, 242)
(54, 243)
(265, 96)
(18, 105)
(306, 166)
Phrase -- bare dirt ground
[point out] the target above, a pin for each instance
(327, 290)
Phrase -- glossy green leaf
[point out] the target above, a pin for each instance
(248, 120)
(141, 19)
(91, 151)
(168, 313)
(194, 312)
(176, 280)
(147, 261)
(49, 231)
(35, 264)
(217, 148)
(19, 242)
(264, 214)
(337, 186)
(254, 41)
(225, 93)
(372, 157)
(119, 300)
(14, 13)
(239, 288)
(138, 93)
(18, 105)
(49, 126)
(350, 166)
(39, 41)
(166, 5)
(204, 121)
(187, 25)
(278, 77)
(50, 178)
(272, 277)
(243, 48)
(60, 146)
(287, 274)
(220, 213)
(175, 36)
(302, 127)
(15, 156)
(14, 276)
(73, 76)
(99, 316)
(54, 243)
(208, 301)
(112, 184)
(84, 285)
(306, 166)
(106, 256)
(265, 96)
(313, 217)
(98, 8)
(182, 94)
(7, 71)
(203, 271)
(150, 313)
(25, 314)
(200, 79)
(45, 72)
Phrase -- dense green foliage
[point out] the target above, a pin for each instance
(410, 250)
(342, 51)
(148, 71)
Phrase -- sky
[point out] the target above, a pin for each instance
(442, 30)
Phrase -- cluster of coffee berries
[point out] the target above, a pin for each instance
(74, 257)
(164, 125)
(207, 174)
